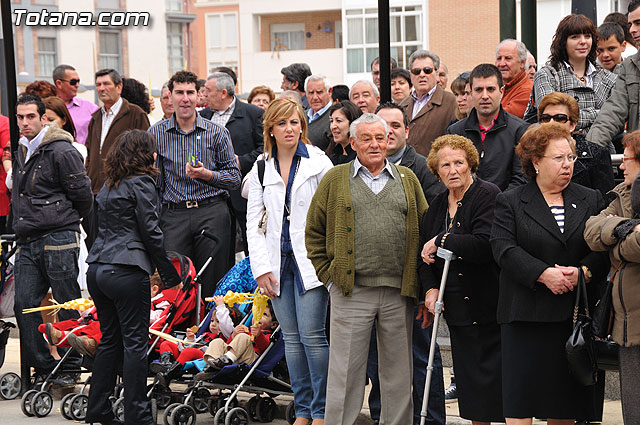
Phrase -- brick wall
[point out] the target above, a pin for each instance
(313, 23)
(464, 33)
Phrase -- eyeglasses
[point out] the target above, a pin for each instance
(72, 82)
(562, 158)
(562, 118)
(628, 158)
(427, 70)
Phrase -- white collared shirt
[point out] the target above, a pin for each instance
(107, 119)
(375, 183)
(222, 117)
(588, 75)
(34, 143)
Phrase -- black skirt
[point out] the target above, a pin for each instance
(535, 374)
(477, 367)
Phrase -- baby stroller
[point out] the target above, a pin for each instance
(10, 383)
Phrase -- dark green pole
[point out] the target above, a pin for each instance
(528, 11)
(507, 19)
(384, 43)
(587, 8)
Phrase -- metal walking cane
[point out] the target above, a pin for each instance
(447, 256)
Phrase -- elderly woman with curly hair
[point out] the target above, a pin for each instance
(537, 242)
(572, 69)
(459, 220)
(261, 96)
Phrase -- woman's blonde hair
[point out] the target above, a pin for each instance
(279, 110)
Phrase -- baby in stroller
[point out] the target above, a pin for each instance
(244, 346)
(173, 356)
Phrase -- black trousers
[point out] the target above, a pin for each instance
(182, 228)
(122, 297)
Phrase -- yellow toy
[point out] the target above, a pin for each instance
(258, 299)
(79, 304)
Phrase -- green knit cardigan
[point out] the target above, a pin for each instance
(329, 235)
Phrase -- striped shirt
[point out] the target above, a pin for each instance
(377, 183)
(107, 119)
(208, 142)
(558, 214)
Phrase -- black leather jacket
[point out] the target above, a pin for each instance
(51, 192)
(129, 231)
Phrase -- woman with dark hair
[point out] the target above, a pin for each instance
(460, 87)
(128, 248)
(537, 240)
(58, 112)
(572, 69)
(341, 115)
(135, 92)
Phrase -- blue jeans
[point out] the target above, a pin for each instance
(302, 320)
(47, 262)
(421, 342)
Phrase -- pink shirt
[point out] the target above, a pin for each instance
(81, 111)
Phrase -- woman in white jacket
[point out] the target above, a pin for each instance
(291, 170)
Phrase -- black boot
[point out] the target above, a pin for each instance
(175, 371)
(163, 364)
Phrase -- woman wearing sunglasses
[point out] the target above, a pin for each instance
(593, 166)
(572, 69)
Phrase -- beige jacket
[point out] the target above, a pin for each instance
(626, 282)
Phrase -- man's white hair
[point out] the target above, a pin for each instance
(367, 118)
(317, 77)
(376, 93)
(520, 47)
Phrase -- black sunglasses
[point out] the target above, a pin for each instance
(427, 70)
(562, 118)
(72, 82)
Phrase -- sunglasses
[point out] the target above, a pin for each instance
(427, 70)
(562, 118)
(72, 82)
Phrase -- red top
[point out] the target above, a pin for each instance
(5, 145)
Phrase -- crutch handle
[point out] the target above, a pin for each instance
(445, 254)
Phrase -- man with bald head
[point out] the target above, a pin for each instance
(511, 57)
(365, 95)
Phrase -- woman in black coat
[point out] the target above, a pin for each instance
(128, 248)
(459, 220)
(537, 241)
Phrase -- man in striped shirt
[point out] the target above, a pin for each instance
(197, 169)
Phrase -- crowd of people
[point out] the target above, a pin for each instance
(341, 202)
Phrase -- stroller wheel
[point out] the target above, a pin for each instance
(290, 413)
(183, 415)
(218, 419)
(266, 409)
(65, 404)
(167, 413)
(26, 402)
(42, 403)
(237, 416)
(78, 407)
(200, 400)
(118, 409)
(10, 386)
(252, 406)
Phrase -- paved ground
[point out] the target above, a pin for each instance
(10, 412)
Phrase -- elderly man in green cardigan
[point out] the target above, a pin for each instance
(362, 237)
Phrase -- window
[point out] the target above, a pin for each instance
(108, 4)
(287, 37)
(110, 50)
(222, 40)
(175, 46)
(173, 5)
(46, 55)
(362, 35)
(338, 27)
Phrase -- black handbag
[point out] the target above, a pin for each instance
(602, 315)
(579, 348)
(606, 353)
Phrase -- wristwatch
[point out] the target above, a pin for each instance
(587, 273)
